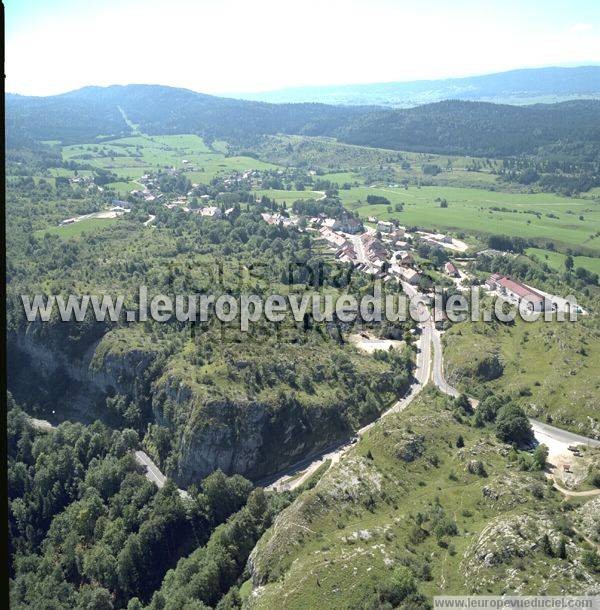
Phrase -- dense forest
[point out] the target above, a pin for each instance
(449, 127)
(88, 530)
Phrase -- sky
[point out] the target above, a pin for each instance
(227, 46)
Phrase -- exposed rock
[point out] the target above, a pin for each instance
(410, 448)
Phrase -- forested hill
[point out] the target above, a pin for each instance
(82, 115)
(526, 86)
(564, 130)
(483, 129)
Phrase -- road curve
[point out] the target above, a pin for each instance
(543, 432)
(576, 494)
(564, 436)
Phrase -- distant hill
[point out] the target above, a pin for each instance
(535, 85)
(83, 114)
(565, 130)
(569, 129)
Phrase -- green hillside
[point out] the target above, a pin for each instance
(407, 515)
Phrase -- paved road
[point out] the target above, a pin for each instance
(359, 248)
(438, 367)
(152, 471)
(558, 434)
(299, 472)
(555, 438)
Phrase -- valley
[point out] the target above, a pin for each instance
(314, 461)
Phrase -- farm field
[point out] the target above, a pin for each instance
(131, 157)
(76, 229)
(540, 216)
(567, 222)
(288, 197)
(556, 260)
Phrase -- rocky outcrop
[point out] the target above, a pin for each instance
(410, 448)
(508, 543)
(79, 381)
(212, 427)
(252, 438)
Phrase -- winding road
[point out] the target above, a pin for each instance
(557, 439)
(429, 344)
(151, 470)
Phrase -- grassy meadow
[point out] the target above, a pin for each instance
(556, 260)
(566, 221)
(88, 225)
(550, 368)
(539, 216)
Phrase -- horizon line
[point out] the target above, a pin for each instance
(236, 94)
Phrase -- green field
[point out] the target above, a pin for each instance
(556, 260)
(89, 225)
(130, 158)
(567, 222)
(471, 210)
(287, 197)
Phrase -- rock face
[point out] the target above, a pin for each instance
(86, 378)
(232, 442)
(251, 438)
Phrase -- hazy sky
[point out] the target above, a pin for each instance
(220, 46)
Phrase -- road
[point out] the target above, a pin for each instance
(296, 474)
(359, 248)
(564, 436)
(151, 469)
(438, 366)
(556, 439)
(576, 494)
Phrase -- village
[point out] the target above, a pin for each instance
(380, 248)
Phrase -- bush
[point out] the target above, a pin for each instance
(398, 587)
(512, 426)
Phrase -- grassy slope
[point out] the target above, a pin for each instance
(338, 541)
(550, 368)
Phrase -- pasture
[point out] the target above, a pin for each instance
(89, 225)
(556, 260)
(131, 157)
(542, 217)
